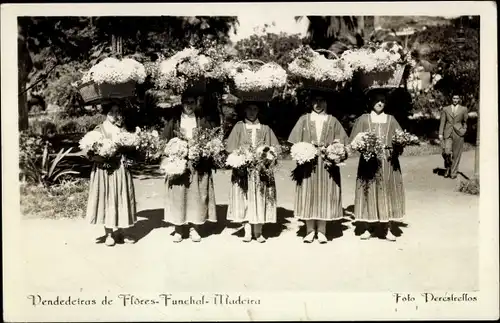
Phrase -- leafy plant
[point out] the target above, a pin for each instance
(469, 186)
(46, 171)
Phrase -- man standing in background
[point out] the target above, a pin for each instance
(452, 128)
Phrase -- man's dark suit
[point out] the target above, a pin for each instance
(452, 128)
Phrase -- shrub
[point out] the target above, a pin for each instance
(42, 127)
(67, 126)
(469, 186)
(29, 146)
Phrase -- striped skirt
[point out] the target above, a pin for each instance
(111, 199)
(190, 199)
(380, 199)
(318, 194)
(251, 200)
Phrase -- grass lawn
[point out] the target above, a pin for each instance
(67, 200)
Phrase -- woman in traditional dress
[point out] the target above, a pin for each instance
(318, 193)
(111, 199)
(379, 197)
(252, 199)
(190, 198)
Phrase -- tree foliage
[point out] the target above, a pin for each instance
(454, 50)
(270, 47)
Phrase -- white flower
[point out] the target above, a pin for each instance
(176, 147)
(367, 60)
(303, 152)
(173, 166)
(240, 158)
(90, 139)
(235, 160)
(267, 76)
(317, 67)
(127, 139)
(107, 148)
(113, 71)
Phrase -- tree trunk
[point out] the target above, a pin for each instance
(22, 107)
(117, 44)
(24, 67)
(476, 157)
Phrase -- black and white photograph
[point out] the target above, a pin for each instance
(249, 161)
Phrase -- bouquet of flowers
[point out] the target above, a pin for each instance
(206, 149)
(312, 66)
(98, 148)
(266, 160)
(303, 152)
(403, 138)
(369, 145)
(149, 143)
(334, 153)
(241, 159)
(114, 71)
(182, 69)
(175, 161)
(127, 146)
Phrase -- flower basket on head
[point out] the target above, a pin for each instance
(325, 85)
(111, 78)
(92, 92)
(186, 70)
(317, 72)
(382, 79)
(255, 80)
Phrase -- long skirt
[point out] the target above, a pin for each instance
(251, 199)
(318, 194)
(190, 198)
(111, 199)
(379, 197)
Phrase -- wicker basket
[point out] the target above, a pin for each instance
(92, 92)
(197, 86)
(385, 79)
(259, 96)
(326, 86)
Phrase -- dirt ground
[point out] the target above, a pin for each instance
(437, 250)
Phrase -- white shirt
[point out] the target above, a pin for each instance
(454, 109)
(319, 120)
(188, 123)
(110, 128)
(254, 128)
(378, 118)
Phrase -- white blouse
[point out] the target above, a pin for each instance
(110, 128)
(254, 128)
(319, 120)
(188, 123)
(378, 118)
